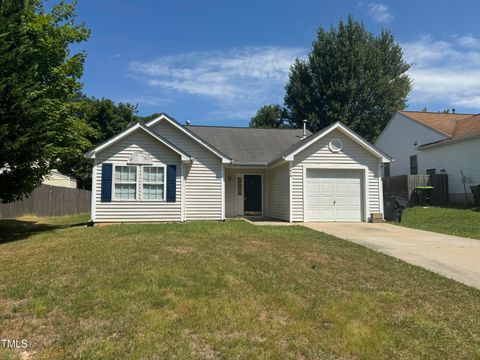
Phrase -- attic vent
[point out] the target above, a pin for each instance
(335, 145)
(140, 158)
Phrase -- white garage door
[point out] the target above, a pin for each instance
(333, 195)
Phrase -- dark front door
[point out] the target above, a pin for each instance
(253, 195)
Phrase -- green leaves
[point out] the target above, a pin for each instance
(269, 116)
(350, 76)
(39, 80)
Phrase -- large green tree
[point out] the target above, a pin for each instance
(269, 116)
(351, 76)
(106, 119)
(39, 77)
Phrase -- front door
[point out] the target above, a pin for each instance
(252, 194)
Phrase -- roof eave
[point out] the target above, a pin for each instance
(445, 142)
(92, 153)
(350, 133)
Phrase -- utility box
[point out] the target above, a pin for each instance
(393, 208)
(424, 195)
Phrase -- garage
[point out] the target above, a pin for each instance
(333, 195)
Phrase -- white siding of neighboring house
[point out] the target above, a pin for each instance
(453, 158)
(351, 154)
(231, 189)
(278, 192)
(203, 179)
(122, 210)
(399, 138)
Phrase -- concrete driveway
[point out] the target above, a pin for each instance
(452, 256)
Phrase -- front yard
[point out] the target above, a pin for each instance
(452, 221)
(222, 290)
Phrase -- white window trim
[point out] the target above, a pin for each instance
(114, 198)
(139, 183)
(163, 199)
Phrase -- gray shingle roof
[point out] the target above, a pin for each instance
(249, 146)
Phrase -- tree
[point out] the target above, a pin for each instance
(39, 126)
(350, 76)
(106, 120)
(147, 118)
(269, 116)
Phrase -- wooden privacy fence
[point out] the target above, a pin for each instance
(404, 186)
(48, 200)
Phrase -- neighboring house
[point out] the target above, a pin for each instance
(434, 143)
(165, 171)
(56, 178)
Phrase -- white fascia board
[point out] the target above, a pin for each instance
(281, 161)
(349, 133)
(225, 159)
(115, 139)
(91, 154)
(184, 156)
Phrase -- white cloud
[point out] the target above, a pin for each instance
(379, 13)
(244, 78)
(469, 41)
(443, 71)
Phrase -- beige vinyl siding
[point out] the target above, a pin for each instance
(56, 179)
(278, 192)
(203, 187)
(137, 210)
(231, 189)
(319, 154)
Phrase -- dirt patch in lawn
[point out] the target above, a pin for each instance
(179, 249)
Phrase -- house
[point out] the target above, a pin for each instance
(56, 178)
(166, 171)
(434, 143)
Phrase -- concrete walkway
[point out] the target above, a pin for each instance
(452, 256)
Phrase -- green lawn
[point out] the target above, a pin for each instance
(453, 221)
(222, 290)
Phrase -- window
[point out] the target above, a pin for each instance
(239, 186)
(413, 165)
(125, 182)
(386, 170)
(430, 171)
(153, 183)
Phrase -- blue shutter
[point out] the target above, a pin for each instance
(106, 195)
(171, 183)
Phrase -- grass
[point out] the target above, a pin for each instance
(452, 221)
(224, 290)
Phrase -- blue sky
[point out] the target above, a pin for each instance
(216, 62)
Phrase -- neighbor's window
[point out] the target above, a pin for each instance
(125, 182)
(430, 171)
(413, 165)
(153, 183)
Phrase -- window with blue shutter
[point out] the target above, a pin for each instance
(171, 183)
(106, 191)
